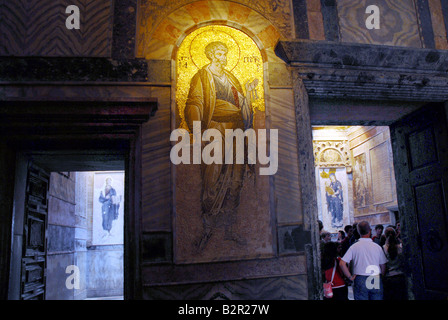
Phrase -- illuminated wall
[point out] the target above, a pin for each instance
(361, 159)
(269, 220)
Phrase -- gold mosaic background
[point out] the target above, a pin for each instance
(243, 60)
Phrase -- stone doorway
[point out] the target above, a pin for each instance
(76, 260)
(355, 181)
(416, 147)
(75, 136)
(360, 158)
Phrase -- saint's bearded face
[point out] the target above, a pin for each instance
(220, 57)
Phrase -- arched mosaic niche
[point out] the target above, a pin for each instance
(255, 214)
(333, 163)
(244, 61)
(222, 212)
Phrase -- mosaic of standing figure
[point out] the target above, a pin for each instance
(213, 63)
(217, 100)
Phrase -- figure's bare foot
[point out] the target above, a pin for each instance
(201, 242)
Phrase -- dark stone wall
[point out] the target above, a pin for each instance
(73, 69)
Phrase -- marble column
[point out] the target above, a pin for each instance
(307, 182)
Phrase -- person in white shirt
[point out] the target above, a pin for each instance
(369, 263)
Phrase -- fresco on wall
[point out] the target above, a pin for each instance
(334, 198)
(108, 208)
(360, 183)
(222, 210)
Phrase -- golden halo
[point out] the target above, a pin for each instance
(202, 39)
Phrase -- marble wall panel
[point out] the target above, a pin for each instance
(156, 166)
(164, 274)
(380, 161)
(75, 91)
(105, 271)
(438, 24)
(80, 260)
(56, 277)
(374, 186)
(287, 189)
(292, 239)
(398, 23)
(62, 187)
(61, 239)
(315, 20)
(278, 288)
(37, 28)
(62, 212)
(286, 183)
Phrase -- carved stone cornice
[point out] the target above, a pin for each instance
(368, 72)
(49, 124)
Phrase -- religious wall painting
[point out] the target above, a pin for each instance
(333, 198)
(243, 64)
(360, 182)
(108, 208)
(332, 158)
(221, 210)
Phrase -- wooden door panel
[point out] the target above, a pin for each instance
(432, 230)
(34, 256)
(420, 146)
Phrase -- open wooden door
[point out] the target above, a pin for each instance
(420, 147)
(34, 251)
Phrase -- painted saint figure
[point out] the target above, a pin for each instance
(335, 201)
(216, 99)
(110, 205)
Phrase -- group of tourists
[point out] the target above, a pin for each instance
(371, 264)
